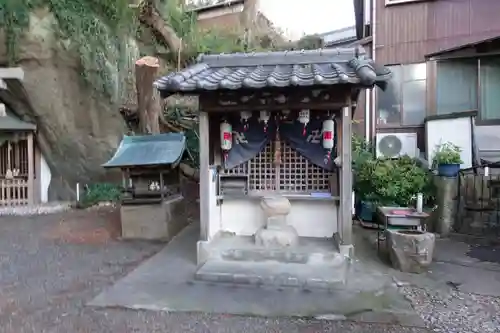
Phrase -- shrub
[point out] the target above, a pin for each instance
(100, 192)
(392, 181)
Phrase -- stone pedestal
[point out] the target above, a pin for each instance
(444, 216)
(410, 250)
(154, 221)
(275, 232)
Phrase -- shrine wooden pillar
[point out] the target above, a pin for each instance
(204, 145)
(345, 209)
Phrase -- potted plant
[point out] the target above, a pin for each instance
(361, 153)
(447, 159)
(392, 182)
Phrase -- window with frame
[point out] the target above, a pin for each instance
(403, 103)
(469, 84)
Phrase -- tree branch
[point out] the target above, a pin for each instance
(150, 17)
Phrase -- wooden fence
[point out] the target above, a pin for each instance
(13, 192)
(478, 201)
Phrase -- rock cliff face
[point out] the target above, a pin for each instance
(78, 128)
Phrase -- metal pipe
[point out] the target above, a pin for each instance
(368, 109)
(373, 25)
(368, 93)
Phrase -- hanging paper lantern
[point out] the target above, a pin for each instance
(264, 117)
(226, 138)
(328, 142)
(304, 117)
(245, 116)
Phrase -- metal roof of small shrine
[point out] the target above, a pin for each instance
(148, 150)
(276, 70)
(13, 123)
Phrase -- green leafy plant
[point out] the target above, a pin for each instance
(361, 151)
(95, 30)
(392, 181)
(447, 153)
(100, 192)
(103, 33)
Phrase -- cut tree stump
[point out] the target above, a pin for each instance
(148, 99)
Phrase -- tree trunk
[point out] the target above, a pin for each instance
(148, 100)
(249, 19)
(150, 17)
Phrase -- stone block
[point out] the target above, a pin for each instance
(410, 250)
(275, 206)
(275, 232)
(275, 275)
(285, 236)
(154, 221)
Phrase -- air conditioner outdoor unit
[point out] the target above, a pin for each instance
(394, 145)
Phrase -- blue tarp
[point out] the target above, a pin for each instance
(148, 150)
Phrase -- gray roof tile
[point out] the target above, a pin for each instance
(276, 69)
(148, 150)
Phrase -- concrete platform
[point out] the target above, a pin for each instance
(166, 282)
(313, 263)
(277, 274)
(243, 249)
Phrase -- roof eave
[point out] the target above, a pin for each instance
(347, 65)
(462, 46)
(216, 6)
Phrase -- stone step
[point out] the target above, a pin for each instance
(286, 255)
(274, 274)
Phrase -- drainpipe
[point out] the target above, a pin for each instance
(372, 93)
(368, 110)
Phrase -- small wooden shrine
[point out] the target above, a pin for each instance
(275, 148)
(17, 161)
(152, 203)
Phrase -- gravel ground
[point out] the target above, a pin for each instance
(456, 312)
(51, 265)
(43, 209)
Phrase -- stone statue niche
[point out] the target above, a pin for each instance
(152, 205)
(151, 185)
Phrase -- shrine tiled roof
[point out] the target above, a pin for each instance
(276, 70)
(148, 150)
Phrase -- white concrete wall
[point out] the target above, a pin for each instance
(456, 131)
(45, 177)
(310, 218)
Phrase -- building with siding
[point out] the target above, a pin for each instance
(228, 16)
(339, 38)
(445, 58)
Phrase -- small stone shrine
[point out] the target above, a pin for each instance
(152, 205)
